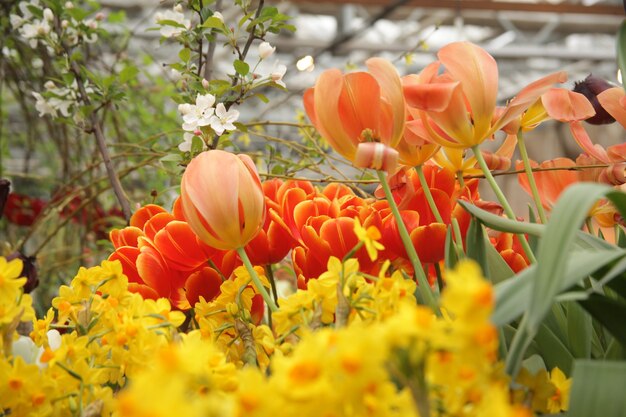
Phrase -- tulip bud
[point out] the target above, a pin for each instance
(376, 156)
(222, 199)
(590, 87)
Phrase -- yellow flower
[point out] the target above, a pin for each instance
(560, 400)
(369, 237)
(10, 281)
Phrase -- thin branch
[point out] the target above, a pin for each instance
(102, 147)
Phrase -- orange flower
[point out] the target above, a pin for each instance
(222, 199)
(358, 107)
(461, 102)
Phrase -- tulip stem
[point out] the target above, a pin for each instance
(428, 194)
(531, 178)
(422, 280)
(257, 281)
(502, 199)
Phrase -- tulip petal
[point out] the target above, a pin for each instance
(584, 141)
(527, 97)
(327, 92)
(359, 104)
(391, 90)
(204, 283)
(141, 216)
(478, 73)
(612, 100)
(567, 106)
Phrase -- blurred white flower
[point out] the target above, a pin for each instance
(218, 15)
(169, 31)
(277, 74)
(198, 115)
(26, 348)
(33, 31)
(266, 50)
(223, 120)
(306, 64)
(48, 15)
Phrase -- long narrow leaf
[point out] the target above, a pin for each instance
(579, 331)
(512, 295)
(555, 246)
(610, 313)
(598, 389)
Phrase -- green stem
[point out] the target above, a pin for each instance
(422, 280)
(428, 194)
(519, 344)
(531, 178)
(459, 177)
(502, 199)
(257, 282)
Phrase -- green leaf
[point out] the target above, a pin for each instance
(171, 158)
(451, 257)
(117, 17)
(213, 23)
(128, 74)
(241, 67)
(499, 270)
(513, 295)
(621, 50)
(554, 249)
(609, 312)
(552, 350)
(598, 389)
(185, 55)
(579, 331)
(583, 240)
(476, 243)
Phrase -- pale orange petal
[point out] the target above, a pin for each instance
(391, 90)
(612, 100)
(567, 106)
(478, 73)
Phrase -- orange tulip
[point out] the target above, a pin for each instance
(222, 199)
(461, 102)
(358, 107)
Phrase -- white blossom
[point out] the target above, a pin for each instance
(185, 145)
(266, 50)
(223, 120)
(48, 15)
(175, 16)
(219, 16)
(198, 115)
(277, 75)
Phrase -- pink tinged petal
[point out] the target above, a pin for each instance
(528, 96)
(567, 106)
(584, 141)
(478, 73)
(391, 91)
(327, 91)
(376, 156)
(614, 102)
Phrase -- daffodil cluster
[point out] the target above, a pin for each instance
(351, 344)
